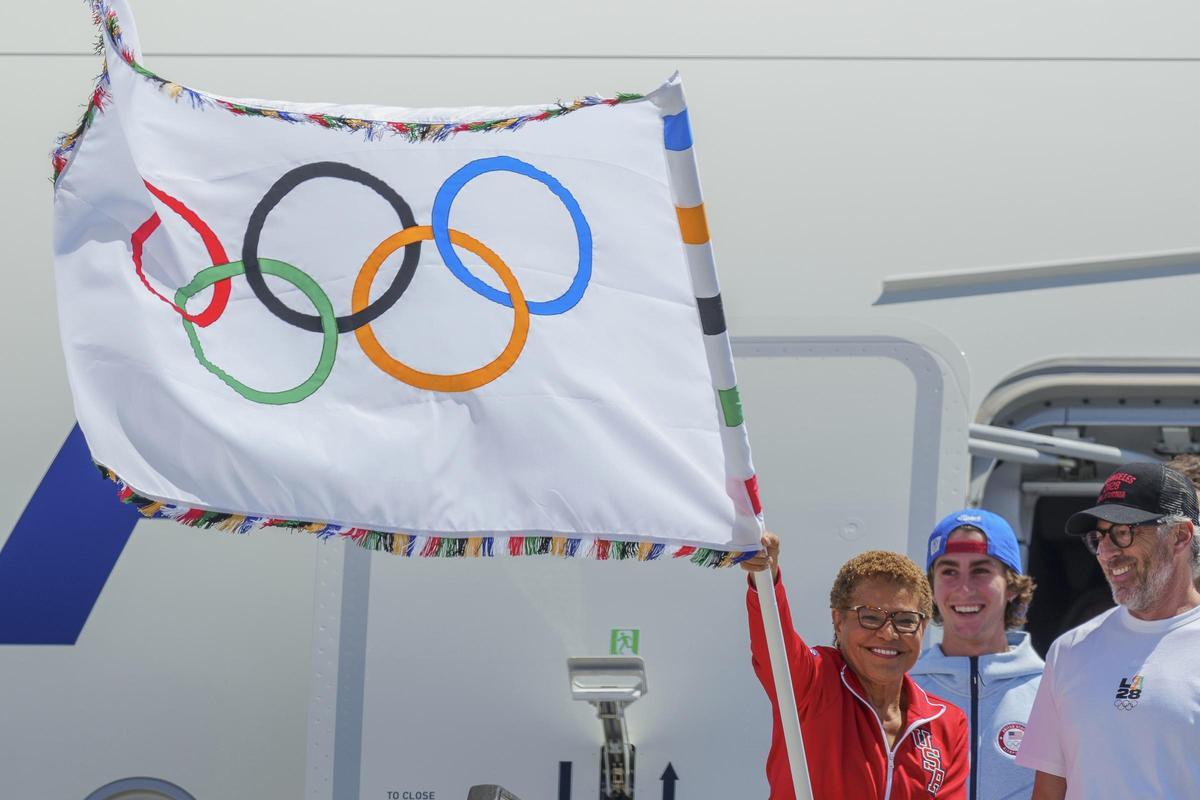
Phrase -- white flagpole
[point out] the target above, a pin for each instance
(784, 695)
(689, 205)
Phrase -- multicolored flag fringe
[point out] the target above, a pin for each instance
(607, 425)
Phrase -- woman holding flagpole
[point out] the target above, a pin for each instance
(870, 731)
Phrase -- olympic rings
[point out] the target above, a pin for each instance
(441, 227)
(216, 306)
(463, 381)
(289, 181)
(363, 311)
(311, 289)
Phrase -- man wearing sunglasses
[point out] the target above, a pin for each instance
(1115, 716)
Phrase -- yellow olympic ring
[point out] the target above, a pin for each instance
(463, 381)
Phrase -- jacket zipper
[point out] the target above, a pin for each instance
(891, 752)
(974, 727)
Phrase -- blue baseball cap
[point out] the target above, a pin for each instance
(1001, 541)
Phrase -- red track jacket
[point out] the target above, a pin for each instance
(847, 754)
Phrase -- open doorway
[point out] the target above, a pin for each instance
(1071, 589)
(1143, 409)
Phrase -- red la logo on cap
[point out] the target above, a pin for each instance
(1114, 487)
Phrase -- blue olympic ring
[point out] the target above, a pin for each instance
(441, 232)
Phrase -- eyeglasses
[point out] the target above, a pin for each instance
(873, 619)
(1121, 536)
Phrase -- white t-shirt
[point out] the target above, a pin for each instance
(1118, 711)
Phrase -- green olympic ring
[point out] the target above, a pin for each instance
(280, 269)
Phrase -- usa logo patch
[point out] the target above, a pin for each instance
(1008, 740)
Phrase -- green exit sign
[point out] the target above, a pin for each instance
(624, 641)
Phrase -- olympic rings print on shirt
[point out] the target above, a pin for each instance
(363, 310)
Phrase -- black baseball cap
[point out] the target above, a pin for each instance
(1136, 493)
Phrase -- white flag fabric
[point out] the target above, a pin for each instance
(444, 332)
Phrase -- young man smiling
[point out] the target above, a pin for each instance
(984, 664)
(1116, 713)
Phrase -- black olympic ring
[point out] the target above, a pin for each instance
(1125, 705)
(289, 181)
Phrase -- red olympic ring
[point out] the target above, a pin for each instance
(220, 297)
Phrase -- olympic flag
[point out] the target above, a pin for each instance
(444, 332)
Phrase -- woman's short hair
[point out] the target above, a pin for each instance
(893, 567)
(1020, 585)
